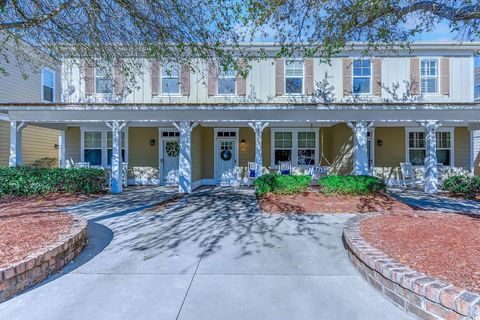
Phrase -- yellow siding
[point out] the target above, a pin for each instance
(247, 150)
(72, 146)
(37, 143)
(196, 150)
(339, 151)
(462, 148)
(207, 153)
(142, 157)
(266, 145)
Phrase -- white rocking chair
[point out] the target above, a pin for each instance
(251, 172)
(285, 167)
(408, 175)
(82, 165)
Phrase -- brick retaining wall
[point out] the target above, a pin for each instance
(426, 297)
(40, 264)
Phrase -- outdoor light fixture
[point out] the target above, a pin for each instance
(152, 142)
(379, 143)
(56, 146)
(242, 142)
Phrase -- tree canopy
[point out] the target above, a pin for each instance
(174, 30)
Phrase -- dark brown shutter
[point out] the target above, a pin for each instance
(118, 78)
(241, 81)
(88, 71)
(347, 77)
(309, 76)
(212, 78)
(415, 75)
(279, 76)
(185, 80)
(155, 69)
(445, 76)
(377, 76)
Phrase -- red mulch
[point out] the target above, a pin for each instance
(316, 202)
(443, 245)
(30, 223)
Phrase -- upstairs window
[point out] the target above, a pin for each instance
(48, 85)
(227, 80)
(294, 76)
(103, 78)
(362, 75)
(429, 76)
(170, 79)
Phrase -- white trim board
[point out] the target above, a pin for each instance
(294, 144)
(441, 129)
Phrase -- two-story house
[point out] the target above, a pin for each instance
(360, 115)
(24, 85)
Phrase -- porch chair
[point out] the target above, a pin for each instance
(285, 167)
(251, 172)
(408, 175)
(318, 171)
(82, 165)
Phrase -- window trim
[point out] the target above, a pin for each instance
(228, 77)
(54, 91)
(295, 132)
(285, 93)
(370, 92)
(420, 76)
(104, 147)
(445, 129)
(95, 80)
(178, 78)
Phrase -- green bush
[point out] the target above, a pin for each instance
(462, 186)
(33, 181)
(353, 185)
(282, 184)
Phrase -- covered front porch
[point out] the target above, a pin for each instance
(185, 145)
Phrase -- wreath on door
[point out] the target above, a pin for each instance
(172, 148)
(226, 155)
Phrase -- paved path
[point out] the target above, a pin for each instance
(436, 201)
(211, 256)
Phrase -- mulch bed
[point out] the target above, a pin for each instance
(317, 202)
(443, 245)
(30, 223)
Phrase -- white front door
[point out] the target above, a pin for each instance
(171, 150)
(226, 153)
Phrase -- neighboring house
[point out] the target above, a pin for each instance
(477, 84)
(38, 87)
(356, 115)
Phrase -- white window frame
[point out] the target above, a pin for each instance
(369, 93)
(177, 66)
(452, 144)
(215, 147)
(161, 138)
(54, 91)
(104, 143)
(95, 79)
(429, 77)
(220, 76)
(293, 77)
(295, 149)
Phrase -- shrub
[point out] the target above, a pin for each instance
(462, 186)
(282, 184)
(46, 162)
(353, 185)
(33, 181)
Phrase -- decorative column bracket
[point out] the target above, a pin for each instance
(360, 134)
(15, 158)
(185, 158)
(258, 127)
(117, 166)
(431, 171)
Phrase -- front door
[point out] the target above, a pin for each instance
(171, 150)
(226, 154)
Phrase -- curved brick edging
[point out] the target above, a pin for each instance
(426, 297)
(37, 266)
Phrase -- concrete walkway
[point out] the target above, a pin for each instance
(211, 256)
(438, 201)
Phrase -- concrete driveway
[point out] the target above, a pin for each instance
(211, 256)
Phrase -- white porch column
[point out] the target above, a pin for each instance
(431, 174)
(117, 170)
(61, 148)
(360, 131)
(15, 158)
(258, 127)
(185, 158)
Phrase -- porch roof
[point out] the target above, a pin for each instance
(310, 112)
